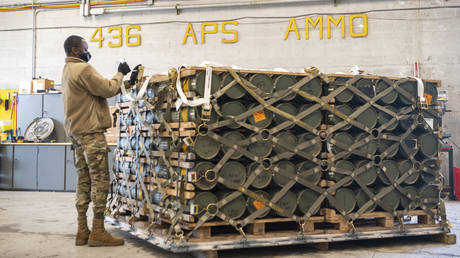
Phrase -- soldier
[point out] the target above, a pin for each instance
(87, 117)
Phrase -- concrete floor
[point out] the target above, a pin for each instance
(42, 224)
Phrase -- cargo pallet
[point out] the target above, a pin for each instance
(331, 222)
(317, 230)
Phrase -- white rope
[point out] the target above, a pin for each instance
(141, 92)
(420, 89)
(196, 102)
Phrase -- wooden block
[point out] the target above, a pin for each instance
(344, 226)
(449, 239)
(144, 211)
(175, 192)
(202, 233)
(386, 222)
(329, 214)
(242, 71)
(256, 228)
(323, 183)
(309, 226)
(425, 219)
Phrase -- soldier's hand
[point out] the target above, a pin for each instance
(133, 79)
(124, 68)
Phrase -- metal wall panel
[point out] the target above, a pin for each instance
(6, 167)
(53, 107)
(25, 167)
(51, 168)
(30, 106)
(70, 170)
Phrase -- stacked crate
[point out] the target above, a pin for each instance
(272, 147)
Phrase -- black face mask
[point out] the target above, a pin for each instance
(85, 56)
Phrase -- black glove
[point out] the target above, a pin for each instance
(124, 68)
(133, 79)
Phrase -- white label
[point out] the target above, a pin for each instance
(430, 122)
(442, 95)
(410, 220)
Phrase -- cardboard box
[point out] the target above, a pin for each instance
(41, 84)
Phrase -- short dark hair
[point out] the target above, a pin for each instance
(70, 42)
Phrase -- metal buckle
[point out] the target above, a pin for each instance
(206, 113)
(352, 229)
(192, 177)
(189, 141)
(239, 227)
(302, 223)
(194, 209)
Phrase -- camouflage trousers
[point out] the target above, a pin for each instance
(91, 162)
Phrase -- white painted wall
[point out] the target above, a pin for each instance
(395, 41)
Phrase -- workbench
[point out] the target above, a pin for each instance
(39, 166)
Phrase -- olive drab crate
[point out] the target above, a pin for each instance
(210, 154)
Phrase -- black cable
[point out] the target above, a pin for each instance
(240, 18)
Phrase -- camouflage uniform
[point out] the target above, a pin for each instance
(91, 161)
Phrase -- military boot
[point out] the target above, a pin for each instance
(82, 232)
(100, 237)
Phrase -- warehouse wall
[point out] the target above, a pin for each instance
(395, 40)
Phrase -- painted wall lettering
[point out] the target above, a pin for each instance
(227, 28)
(331, 22)
(131, 39)
(358, 16)
(355, 26)
(314, 24)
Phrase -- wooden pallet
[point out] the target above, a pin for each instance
(173, 162)
(375, 221)
(185, 72)
(286, 227)
(173, 125)
(208, 245)
(375, 77)
(271, 227)
(182, 129)
(328, 223)
(193, 70)
(170, 190)
(125, 106)
(149, 179)
(190, 156)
